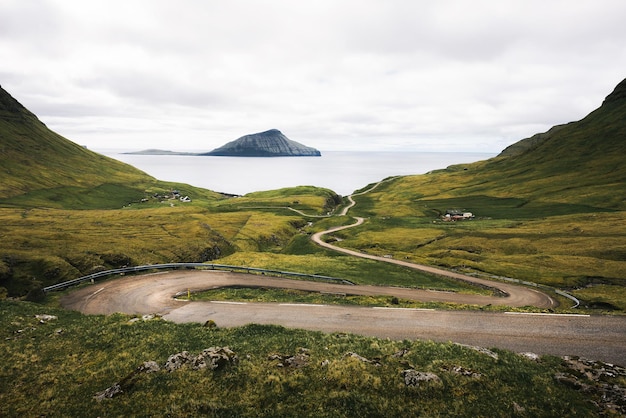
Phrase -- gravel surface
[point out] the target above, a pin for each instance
(595, 337)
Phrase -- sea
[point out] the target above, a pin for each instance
(341, 171)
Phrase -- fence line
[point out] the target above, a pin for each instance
(226, 267)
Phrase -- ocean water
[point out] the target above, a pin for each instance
(341, 171)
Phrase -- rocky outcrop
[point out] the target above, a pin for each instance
(128, 382)
(301, 359)
(416, 378)
(601, 382)
(212, 358)
(270, 143)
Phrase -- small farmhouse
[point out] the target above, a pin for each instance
(452, 215)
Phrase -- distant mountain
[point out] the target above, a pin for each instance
(159, 152)
(577, 163)
(270, 143)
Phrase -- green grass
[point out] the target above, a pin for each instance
(361, 271)
(56, 367)
(275, 295)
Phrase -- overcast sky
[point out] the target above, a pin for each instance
(332, 74)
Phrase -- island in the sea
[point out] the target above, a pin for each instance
(272, 143)
(160, 152)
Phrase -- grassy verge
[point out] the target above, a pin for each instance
(274, 295)
(360, 271)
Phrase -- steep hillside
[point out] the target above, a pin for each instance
(39, 166)
(579, 163)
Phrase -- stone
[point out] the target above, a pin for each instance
(530, 356)
(43, 318)
(375, 362)
(214, 358)
(598, 380)
(462, 371)
(481, 350)
(178, 360)
(414, 378)
(301, 359)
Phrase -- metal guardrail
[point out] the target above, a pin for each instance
(106, 273)
(558, 292)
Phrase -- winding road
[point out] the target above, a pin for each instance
(596, 337)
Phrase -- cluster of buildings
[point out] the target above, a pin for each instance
(453, 215)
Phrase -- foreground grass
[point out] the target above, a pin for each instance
(55, 368)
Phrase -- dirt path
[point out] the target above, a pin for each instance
(515, 295)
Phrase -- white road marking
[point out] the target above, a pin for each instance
(95, 293)
(225, 302)
(402, 309)
(301, 304)
(547, 314)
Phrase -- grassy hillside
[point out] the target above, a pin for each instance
(35, 159)
(67, 211)
(550, 209)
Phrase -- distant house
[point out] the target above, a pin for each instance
(457, 215)
(185, 199)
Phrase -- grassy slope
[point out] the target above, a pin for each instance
(550, 211)
(67, 211)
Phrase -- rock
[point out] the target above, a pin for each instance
(301, 359)
(109, 392)
(126, 383)
(530, 356)
(45, 318)
(375, 362)
(401, 353)
(176, 361)
(214, 358)
(463, 372)
(414, 378)
(146, 317)
(601, 381)
(149, 367)
(481, 350)
(270, 143)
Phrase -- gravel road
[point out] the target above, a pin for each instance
(595, 337)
